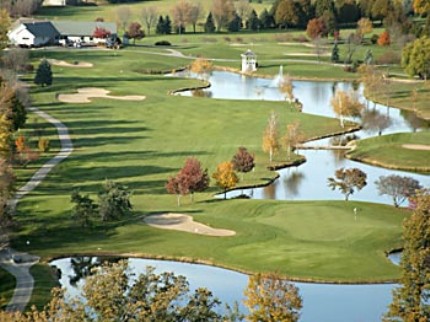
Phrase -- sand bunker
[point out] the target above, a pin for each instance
(84, 94)
(421, 147)
(185, 223)
(63, 63)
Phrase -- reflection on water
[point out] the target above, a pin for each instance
(321, 302)
(293, 181)
(320, 165)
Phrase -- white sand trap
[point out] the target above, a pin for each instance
(79, 64)
(421, 147)
(185, 223)
(84, 94)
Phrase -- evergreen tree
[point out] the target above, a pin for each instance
(322, 6)
(235, 25)
(19, 113)
(114, 201)
(159, 29)
(167, 25)
(43, 74)
(335, 53)
(266, 20)
(209, 24)
(253, 22)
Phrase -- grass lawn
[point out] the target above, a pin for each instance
(387, 151)
(7, 286)
(141, 144)
(44, 281)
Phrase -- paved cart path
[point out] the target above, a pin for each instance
(17, 263)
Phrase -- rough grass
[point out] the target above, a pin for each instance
(7, 286)
(44, 281)
(387, 151)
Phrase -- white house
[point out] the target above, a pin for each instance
(249, 61)
(34, 34)
(41, 33)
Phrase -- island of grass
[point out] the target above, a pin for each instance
(403, 151)
(7, 287)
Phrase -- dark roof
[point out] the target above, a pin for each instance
(78, 28)
(41, 29)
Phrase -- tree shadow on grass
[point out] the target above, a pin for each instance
(63, 233)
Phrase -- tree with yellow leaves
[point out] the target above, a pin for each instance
(364, 26)
(271, 298)
(292, 137)
(270, 136)
(4, 27)
(286, 88)
(346, 104)
(421, 6)
(225, 176)
(202, 67)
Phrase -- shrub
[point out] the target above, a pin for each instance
(163, 43)
(374, 39)
(227, 39)
(43, 145)
(239, 40)
(384, 39)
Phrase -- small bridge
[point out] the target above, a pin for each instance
(323, 147)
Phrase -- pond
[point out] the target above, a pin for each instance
(309, 180)
(322, 302)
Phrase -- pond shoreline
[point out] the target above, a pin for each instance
(188, 260)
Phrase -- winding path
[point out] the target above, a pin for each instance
(17, 263)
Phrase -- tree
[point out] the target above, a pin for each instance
(160, 29)
(322, 6)
(421, 6)
(16, 59)
(384, 39)
(397, 187)
(292, 137)
(368, 58)
(149, 17)
(271, 298)
(192, 177)
(225, 176)
(381, 9)
(347, 11)
(287, 14)
(306, 12)
(347, 180)
(335, 53)
(364, 26)
(4, 28)
(7, 190)
(196, 11)
(346, 104)
(167, 25)
(101, 33)
(316, 28)
(223, 12)
(209, 24)
(175, 187)
(266, 19)
(181, 14)
(243, 161)
(253, 22)
(135, 31)
(114, 201)
(270, 136)
(113, 294)
(243, 8)
(43, 74)
(84, 208)
(202, 67)
(123, 15)
(235, 24)
(416, 58)
(410, 299)
(6, 96)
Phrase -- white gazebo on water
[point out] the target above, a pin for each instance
(249, 62)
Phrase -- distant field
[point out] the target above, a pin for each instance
(107, 11)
